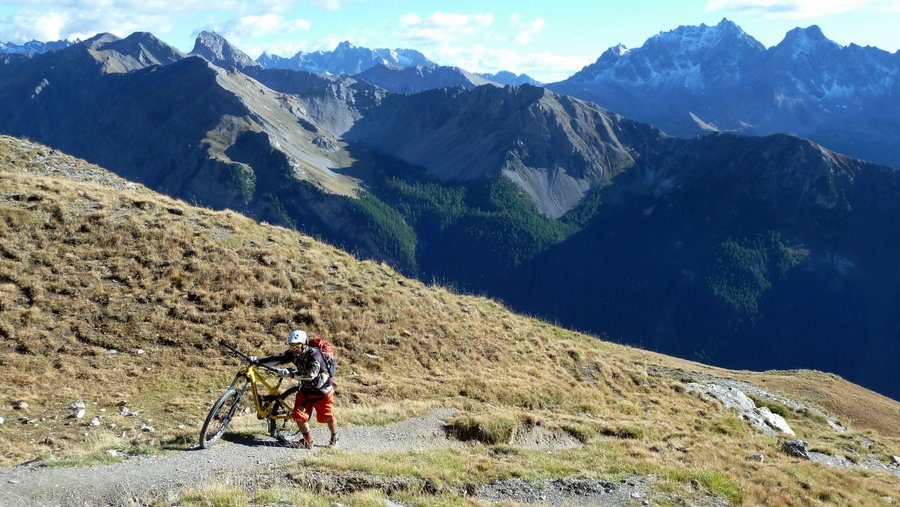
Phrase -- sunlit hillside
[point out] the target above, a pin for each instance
(110, 292)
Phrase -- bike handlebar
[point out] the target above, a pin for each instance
(236, 352)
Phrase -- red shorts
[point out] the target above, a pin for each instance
(305, 403)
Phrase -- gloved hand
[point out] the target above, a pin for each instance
(254, 360)
(285, 372)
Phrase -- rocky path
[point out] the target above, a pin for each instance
(258, 461)
(243, 460)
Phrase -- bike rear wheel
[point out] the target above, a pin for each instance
(219, 418)
(285, 430)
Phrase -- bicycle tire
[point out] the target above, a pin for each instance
(221, 412)
(285, 436)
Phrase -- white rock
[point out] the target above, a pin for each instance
(895, 459)
(836, 426)
(2, 420)
(148, 429)
(140, 352)
(20, 405)
(775, 421)
(79, 414)
(112, 352)
(77, 405)
(95, 422)
(372, 356)
(112, 452)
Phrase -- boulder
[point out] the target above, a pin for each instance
(796, 448)
(775, 421)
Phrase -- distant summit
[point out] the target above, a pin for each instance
(419, 78)
(699, 79)
(32, 47)
(346, 59)
(505, 77)
(219, 51)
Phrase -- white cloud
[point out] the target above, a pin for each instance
(441, 27)
(80, 19)
(543, 66)
(331, 5)
(260, 25)
(800, 9)
(526, 29)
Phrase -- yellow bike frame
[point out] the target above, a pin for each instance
(264, 408)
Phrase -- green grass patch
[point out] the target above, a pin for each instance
(774, 406)
(623, 431)
(81, 460)
(485, 428)
(291, 496)
(215, 495)
(371, 417)
(712, 482)
(730, 426)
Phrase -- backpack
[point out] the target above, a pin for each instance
(327, 350)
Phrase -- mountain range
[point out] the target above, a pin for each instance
(764, 252)
(697, 79)
(32, 47)
(346, 59)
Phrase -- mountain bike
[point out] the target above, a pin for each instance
(271, 403)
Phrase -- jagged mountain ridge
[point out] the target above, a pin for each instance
(33, 47)
(346, 59)
(219, 51)
(418, 79)
(508, 78)
(694, 79)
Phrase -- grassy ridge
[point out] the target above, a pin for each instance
(85, 269)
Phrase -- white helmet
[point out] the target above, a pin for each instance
(296, 337)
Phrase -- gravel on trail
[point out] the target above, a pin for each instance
(258, 461)
(244, 460)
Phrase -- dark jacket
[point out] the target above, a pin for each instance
(312, 372)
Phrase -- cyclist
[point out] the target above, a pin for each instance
(316, 385)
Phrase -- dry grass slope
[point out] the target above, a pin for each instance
(97, 265)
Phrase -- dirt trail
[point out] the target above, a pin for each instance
(241, 460)
(258, 461)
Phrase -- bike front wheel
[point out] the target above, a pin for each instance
(219, 417)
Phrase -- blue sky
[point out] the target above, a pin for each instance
(547, 39)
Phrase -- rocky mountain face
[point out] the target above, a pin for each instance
(32, 47)
(418, 79)
(508, 78)
(554, 147)
(219, 51)
(718, 78)
(346, 59)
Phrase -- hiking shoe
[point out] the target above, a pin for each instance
(297, 444)
(334, 441)
(300, 444)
